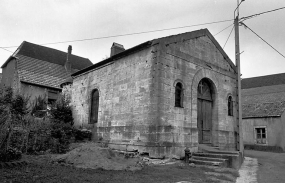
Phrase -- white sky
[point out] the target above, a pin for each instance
(48, 21)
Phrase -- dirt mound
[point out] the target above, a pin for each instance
(90, 155)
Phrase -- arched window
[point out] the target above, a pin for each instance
(178, 95)
(94, 106)
(230, 106)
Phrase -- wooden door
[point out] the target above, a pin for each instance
(204, 112)
(204, 121)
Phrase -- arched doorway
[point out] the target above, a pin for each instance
(204, 111)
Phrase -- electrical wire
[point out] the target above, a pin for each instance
(129, 34)
(228, 37)
(252, 16)
(262, 39)
(6, 50)
(224, 29)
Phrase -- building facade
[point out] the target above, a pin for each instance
(35, 70)
(263, 101)
(160, 96)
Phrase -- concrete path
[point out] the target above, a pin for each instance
(271, 166)
(248, 171)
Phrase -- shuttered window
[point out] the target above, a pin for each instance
(94, 106)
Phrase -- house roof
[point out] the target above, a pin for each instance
(269, 80)
(52, 55)
(44, 66)
(188, 35)
(259, 110)
(263, 96)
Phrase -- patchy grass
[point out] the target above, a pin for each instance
(40, 170)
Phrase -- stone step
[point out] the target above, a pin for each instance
(214, 149)
(215, 155)
(209, 163)
(209, 158)
(233, 160)
(224, 152)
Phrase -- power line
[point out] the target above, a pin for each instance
(252, 16)
(262, 39)
(228, 37)
(129, 34)
(6, 50)
(223, 29)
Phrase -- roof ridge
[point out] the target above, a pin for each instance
(38, 45)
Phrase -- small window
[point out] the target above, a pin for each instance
(260, 135)
(94, 106)
(178, 95)
(230, 106)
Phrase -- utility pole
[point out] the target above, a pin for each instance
(237, 61)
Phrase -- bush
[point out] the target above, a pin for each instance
(82, 134)
(11, 154)
(61, 111)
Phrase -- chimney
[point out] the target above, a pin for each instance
(67, 64)
(116, 48)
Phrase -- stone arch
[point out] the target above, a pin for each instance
(210, 76)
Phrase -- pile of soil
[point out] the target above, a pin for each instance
(90, 155)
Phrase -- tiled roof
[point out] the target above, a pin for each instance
(44, 66)
(266, 101)
(52, 55)
(41, 72)
(269, 80)
(263, 109)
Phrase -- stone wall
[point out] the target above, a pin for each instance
(188, 62)
(136, 106)
(125, 105)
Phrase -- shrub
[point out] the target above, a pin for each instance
(39, 108)
(82, 134)
(13, 109)
(10, 154)
(61, 111)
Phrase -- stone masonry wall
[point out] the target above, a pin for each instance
(125, 105)
(136, 105)
(188, 62)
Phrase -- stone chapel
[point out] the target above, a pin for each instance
(160, 96)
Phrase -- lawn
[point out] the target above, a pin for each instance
(40, 169)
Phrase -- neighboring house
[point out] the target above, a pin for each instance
(35, 70)
(0, 78)
(160, 96)
(263, 102)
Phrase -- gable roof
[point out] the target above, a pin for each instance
(50, 55)
(187, 35)
(44, 66)
(263, 96)
(269, 80)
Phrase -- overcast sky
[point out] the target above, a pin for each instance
(47, 21)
